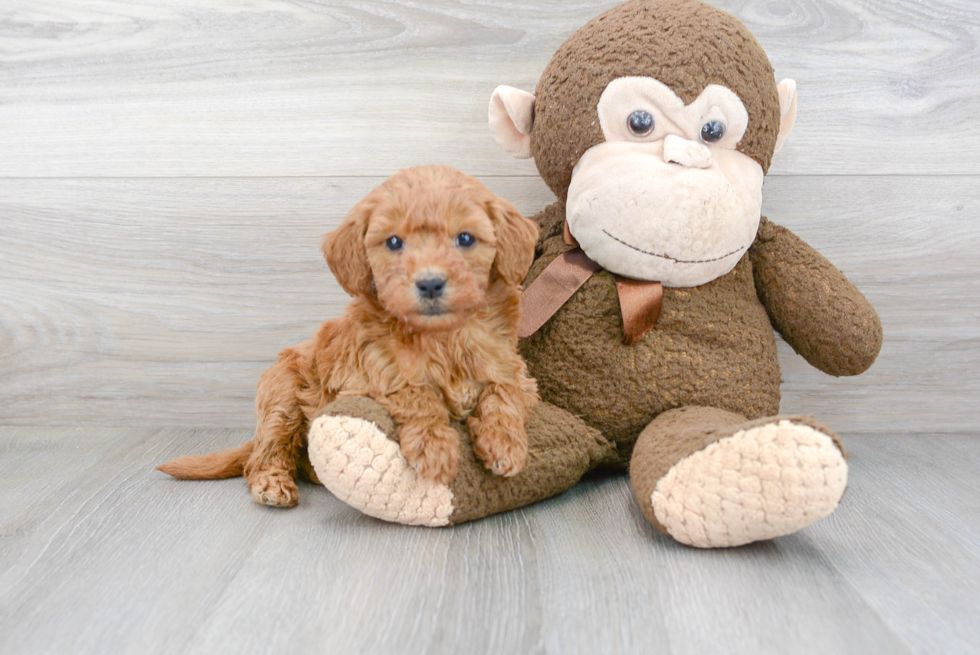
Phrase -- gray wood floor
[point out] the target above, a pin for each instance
(101, 554)
(167, 168)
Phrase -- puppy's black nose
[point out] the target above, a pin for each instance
(431, 287)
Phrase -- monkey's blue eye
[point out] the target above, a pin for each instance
(465, 240)
(640, 122)
(712, 131)
(394, 244)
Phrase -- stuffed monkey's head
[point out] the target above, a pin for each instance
(655, 124)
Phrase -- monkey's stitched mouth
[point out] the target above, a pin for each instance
(678, 261)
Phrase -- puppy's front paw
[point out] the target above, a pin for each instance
(273, 488)
(434, 452)
(500, 444)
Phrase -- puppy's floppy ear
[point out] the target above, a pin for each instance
(516, 238)
(345, 252)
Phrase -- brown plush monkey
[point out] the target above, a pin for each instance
(650, 309)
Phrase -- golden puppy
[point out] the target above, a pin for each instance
(434, 262)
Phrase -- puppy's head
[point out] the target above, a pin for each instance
(429, 242)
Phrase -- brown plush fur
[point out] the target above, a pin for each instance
(713, 346)
(795, 283)
(426, 361)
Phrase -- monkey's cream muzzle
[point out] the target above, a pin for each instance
(666, 197)
(669, 211)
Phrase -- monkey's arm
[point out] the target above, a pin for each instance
(819, 313)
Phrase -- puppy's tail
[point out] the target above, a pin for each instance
(225, 464)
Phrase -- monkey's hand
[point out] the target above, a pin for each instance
(819, 313)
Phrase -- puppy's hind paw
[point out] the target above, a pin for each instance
(275, 489)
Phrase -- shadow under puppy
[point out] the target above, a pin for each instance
(434, 262)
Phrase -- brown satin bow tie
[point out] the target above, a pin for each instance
(639, 302)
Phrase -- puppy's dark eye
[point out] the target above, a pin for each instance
(394, 244)
(465, 240)
(712, 131)
(640, 122)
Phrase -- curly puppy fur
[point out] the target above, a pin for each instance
(431, 335)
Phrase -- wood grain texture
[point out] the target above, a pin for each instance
(145, 302)
(111, 556)
(911, 536)
(280, 87)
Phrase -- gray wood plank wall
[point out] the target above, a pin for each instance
(167, 169)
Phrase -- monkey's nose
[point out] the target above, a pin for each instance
(678, 150)
(431, 288)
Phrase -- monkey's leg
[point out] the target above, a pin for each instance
(353, 449)
(709, 478)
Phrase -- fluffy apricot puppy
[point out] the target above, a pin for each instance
(434, 262)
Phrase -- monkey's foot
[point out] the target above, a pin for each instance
(352, 450)
(759, 481)
(358, 463)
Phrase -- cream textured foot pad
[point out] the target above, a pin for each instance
(360, 465)
(757, 484)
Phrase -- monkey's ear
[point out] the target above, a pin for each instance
(787, 111)
(511, 120)
(516, 238)
(345, 252)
